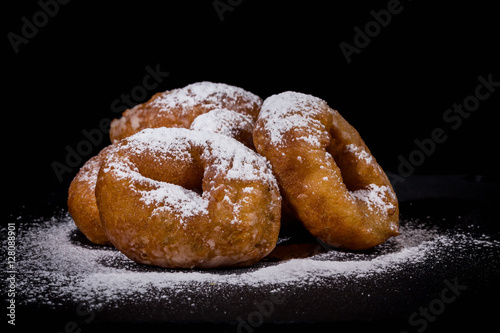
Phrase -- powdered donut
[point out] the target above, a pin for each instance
(226, 122)
(179, 107)
(327, 174)
(81, 199)
(148, 197)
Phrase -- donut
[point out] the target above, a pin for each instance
(179, 198)
(235, 125)
(326, 173)
(81, 195)
(82, 203)
(189, 101)
(179, 107)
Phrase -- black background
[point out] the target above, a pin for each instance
(395, 91)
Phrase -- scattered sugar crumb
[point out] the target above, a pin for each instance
(55, 266)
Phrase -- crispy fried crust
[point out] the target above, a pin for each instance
(327, 174)
(179, 107)
(81, 199)
(148, 197)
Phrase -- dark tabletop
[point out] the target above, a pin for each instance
(453, 286)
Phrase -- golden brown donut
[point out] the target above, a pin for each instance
(239, 125)
(327, 174)
(235, 125)
(179, 107)
(148, 197)
(81, 199)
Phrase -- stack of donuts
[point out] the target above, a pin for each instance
(198, 177)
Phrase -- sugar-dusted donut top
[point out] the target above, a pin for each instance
(223, 121)
(209, 94)
(228, 157)
(302, 115)
(179, 107)
(293, 111)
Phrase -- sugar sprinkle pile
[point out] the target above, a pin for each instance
(55, 265)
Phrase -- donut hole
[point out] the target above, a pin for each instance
(346, 168)
(185, 171)
(353, 171)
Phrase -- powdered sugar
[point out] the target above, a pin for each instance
(227, 156)
(293, 112)
(56, 265)
(204, 93)
(360, 153)
(225, 122)
(374, 197)
(185, 203)
(179, 107)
